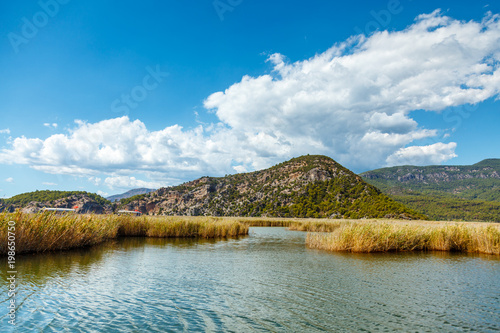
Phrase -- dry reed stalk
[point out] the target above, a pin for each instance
(47, 231)
(387, 237)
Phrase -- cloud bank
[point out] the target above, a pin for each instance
(352, 102)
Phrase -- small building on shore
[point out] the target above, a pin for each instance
(129, 212)
(59, 210)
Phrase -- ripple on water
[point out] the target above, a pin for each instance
(268, 281)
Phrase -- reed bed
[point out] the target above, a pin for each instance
(202, 227)
(392, 237)
(263, 221)
(315, 226)
(48, 231)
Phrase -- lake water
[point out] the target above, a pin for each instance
(265, 282)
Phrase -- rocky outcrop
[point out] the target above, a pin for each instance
(434, 174)
(478, 181)
(305, 186)
(80, 202)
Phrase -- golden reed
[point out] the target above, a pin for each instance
(387, 237)
(48, 231)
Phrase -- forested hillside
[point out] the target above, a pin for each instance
(307, 186)
(470, 192)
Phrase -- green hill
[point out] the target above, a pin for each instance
(34, 201)
(467, 192)
(478, 181)
(307, 186)
(43, 196)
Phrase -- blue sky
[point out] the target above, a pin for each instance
(109, 96)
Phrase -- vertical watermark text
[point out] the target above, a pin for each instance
(11, 271)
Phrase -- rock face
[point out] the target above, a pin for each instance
(308, 186)
(81, 202)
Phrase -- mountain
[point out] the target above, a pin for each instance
(33, 202)
(477, 181)
(128, 194)
(307, 186)
(467, 192)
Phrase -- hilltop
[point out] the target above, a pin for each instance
(128, 194)
(33, 202)
(307, 186)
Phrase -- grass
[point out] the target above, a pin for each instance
(396, 237)
(48, 232)
(315, 226)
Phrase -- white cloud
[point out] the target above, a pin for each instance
(53, 125)
(95, 180)
(240, 168)
(49, 184)
(126, 182)
(5, 131)
(423, 155)
(352, 102)
(102, 194)
(367, 87)
(9, 180)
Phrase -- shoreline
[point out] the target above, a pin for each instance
(44, 232)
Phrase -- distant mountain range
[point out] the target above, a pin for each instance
(129, 194)
(470, 192)
(477, 181)
(307, 186)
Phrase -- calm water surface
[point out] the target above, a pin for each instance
(266, 282)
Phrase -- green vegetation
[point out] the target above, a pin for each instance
(445, 208)
(128, 200)
(386, 237)
(311, 186)
(43, 196)
(47, 231)
(470, 193)
(339, 196)
(478, 181)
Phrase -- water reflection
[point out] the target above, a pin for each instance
(267, 281)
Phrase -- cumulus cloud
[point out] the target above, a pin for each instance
(9, 180)
(53, 125)
(95, 180)
(422, 155)
(352, 102)
(240, 169)
(5, 131)
(366, 88)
